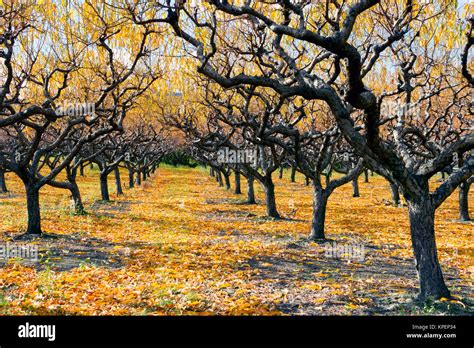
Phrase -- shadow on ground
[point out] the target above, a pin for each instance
(64, 252)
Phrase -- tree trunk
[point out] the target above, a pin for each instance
(238, 189)
(104, 187)
(139, 178)
(293, 174)
(306, 181)
(211, 172)
(250, 190)
(421, 213)
(131, 182)
(118, 182)
(320, 199)
(219, 178)
(366, 175)
(464, 201)
(227, 181)
(280, 175)
(144, 174)
(81, 169)
(269, 188)
(3, 185)
(77, 199)
(395, 194)
(355, 188)
(34, 213)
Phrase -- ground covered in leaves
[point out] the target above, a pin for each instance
(180, 245)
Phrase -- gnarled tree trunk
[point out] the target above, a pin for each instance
(270, 201)
(76, 197)
(320, 199)
(421, 212)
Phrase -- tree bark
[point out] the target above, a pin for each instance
(139, 178)
(104, 187)
(227, 181)
(76, 197)
(3, 185)
(464, 201)
(211, 172)
(421, 213)
(81, 169)
(355, 188)
(280, 175)
(395, 194)
(366, 175)
(34, 212)
(270, 201)
(320, 199)
(118, 182)
(293, 173)
(219, 178)
(131, 182)
(250, 190)
(238, 189)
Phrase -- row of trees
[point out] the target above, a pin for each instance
(68, 84)
(264, 133)
(355, 60)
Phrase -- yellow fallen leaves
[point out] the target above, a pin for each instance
(166, 256)
(352, 306)
(313, 287)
